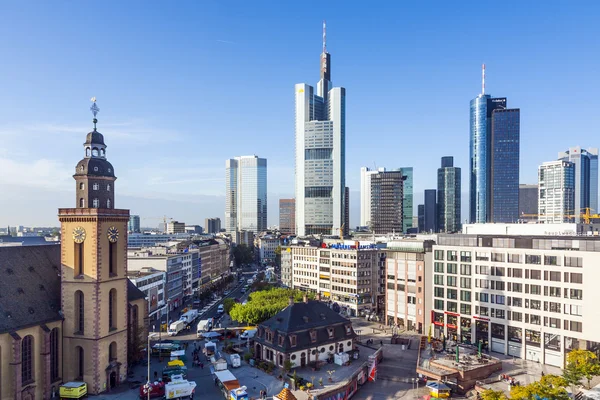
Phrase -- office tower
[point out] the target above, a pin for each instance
(494, 148)
(528, 202)
(212, 225)
(448, 196)
(407, 199)
(430, 211)
(346, 211)
(320, 154)
(246, 194)
(556, 182)
(586, 178)
(287, 216)
(386, 194)
(365, 194)
(175, 227)
(421, 217)
(133, 226)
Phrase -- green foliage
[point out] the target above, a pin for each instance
(247, 357)
(287, 365)
(581, 364)
(549, 387)
(493, 395)
(263, 305)
(243, 254)
(228, 304)
(278, 256)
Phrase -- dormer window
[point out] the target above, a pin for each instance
(281, 339)
(293, 340)
(269, 336)
(313, 336)
(330, 331)
(348, 329)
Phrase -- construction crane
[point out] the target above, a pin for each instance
(586, 215)
(164, 219)
(342, 231)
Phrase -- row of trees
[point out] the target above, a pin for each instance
(243, 254)
(264, 304)
(581, 364)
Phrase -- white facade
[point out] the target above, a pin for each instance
(556, 192)
(320, 155)
(524, 296)
(267, 244)
(365, 195)
(152, 283)
(246, 194)
(585, 164)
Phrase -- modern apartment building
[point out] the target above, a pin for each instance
(494, 159)
(320, 154)
(556, 192)
(448, 196)
(349, 275)
(382, 197)
(212, 225)
(152, 283)
(408, 297)
(246, 194)
(532, 297)
(175, 227)
(287, 216)
(586, 178)
(528, 202)
(133, 226)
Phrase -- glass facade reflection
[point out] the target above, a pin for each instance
(448, 196)
(407, 199)
(505, 166)
(246, 194)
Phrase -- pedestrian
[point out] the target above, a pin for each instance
(381, 342)
(155, 375)
(201, 365)
(216, 381)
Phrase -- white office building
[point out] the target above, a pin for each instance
(586, 178)
(556, 192)
(320, 154)
(246, 194)
(532, 297)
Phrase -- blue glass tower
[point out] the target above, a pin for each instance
(504, 182)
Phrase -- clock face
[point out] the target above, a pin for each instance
(79, 234)
(113, 234)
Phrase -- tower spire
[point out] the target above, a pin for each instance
(324, 36)
(483, 79)
(94, 108)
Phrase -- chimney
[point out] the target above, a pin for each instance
(291, 300)
(305, 298)
(318, 297)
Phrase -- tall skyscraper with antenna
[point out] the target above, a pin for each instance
(320, 153)
(494, 159)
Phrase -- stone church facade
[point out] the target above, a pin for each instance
(69, 311)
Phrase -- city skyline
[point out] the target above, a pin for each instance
(160, 119)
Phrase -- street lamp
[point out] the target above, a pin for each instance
(413, 383)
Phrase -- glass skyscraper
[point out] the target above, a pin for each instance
(556, 185)
(586, 178)
(504, 177)
(246, 194)
(448, 196)
(407, 199)
(430, 211)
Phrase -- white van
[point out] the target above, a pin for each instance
(221, 309)
(249, 334)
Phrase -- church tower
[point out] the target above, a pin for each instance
(94, 273)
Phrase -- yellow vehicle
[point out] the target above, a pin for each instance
(73, 390)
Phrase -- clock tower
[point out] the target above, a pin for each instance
(94, 273)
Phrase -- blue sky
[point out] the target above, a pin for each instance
(184, 85)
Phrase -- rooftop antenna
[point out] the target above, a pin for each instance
(94, 108)
(324, 37)
(483, 79)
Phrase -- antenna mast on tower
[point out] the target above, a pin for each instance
(324, 37)
(483, 79)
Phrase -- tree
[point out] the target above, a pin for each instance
(550, 387)
(243, 254)
(228, 303)
(493, 395)
(278, 256)
(264, 304)
(581, 364)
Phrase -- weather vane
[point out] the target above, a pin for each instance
(94, 108)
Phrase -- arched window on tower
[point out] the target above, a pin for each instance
(112, 351)
(102, 152)
(108, 187)
(79, 312)
(87, 151)
(79, 366)
(78, 260)
(95, 203)
(112, 309)
(81, 186)
(94, 152)
(27, 360)
(108, 203)
(82, 202)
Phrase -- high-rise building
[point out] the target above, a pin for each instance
(175, 227)
(448, 196)
(246, 194)
(430, 211)
(212, 225)
(133, 226)
(421, 217)
(320, 154)
(287, 216)
(494, 155)
(586, 178)
(556, 183)
(407, 199)
(384, 200)
(528, 202)
(346, 211)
